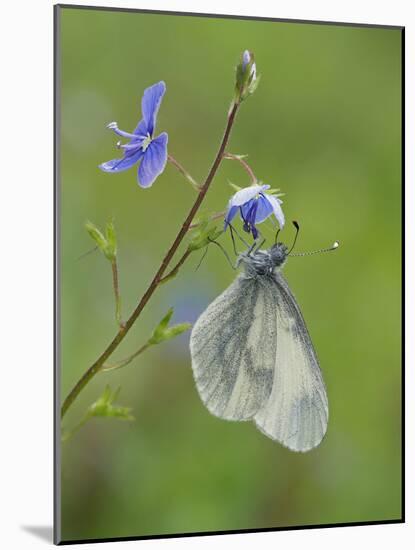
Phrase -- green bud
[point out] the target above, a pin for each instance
(246, 77)
(202, 235)
(107, 244)
(163, 332)
(104, 406)
(111, 251)
(96, 235)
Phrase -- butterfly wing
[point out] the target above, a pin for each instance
(296, 413)
(233, 346)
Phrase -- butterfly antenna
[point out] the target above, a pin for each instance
(297, 230)
(276, 236)
(335, 245)
(87, 253)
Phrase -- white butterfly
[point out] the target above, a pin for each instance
(253, 358)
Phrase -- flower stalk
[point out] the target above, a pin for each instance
(184, 172)
(244, 164)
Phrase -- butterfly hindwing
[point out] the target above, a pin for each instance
(233, 348)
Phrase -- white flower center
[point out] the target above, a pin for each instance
(146, 142)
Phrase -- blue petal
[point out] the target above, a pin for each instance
(141, 129)
(264, 209)
(278, 213)
(246, 211)
(230, 214)
(150, 105)
(119, 165)
(250, 217)
(246, 58)
(154, 161)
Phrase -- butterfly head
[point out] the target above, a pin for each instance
(278, 254)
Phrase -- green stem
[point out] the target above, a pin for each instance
(173, 272)
(184, 172)
(126, 361)
(67, 435)
(116, 292)
(119, 337)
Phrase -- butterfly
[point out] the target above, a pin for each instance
(253, 358)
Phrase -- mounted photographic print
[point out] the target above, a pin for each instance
(229, 249)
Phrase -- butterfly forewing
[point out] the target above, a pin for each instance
(296, 413)
(233, 348)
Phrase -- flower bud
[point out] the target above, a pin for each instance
(108, 243)
(246, 77)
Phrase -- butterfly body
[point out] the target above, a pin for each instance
(263, 262)
(253, 359)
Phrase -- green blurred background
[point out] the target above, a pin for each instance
(324, 126)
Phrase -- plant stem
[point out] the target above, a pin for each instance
(184, 172)
(116, 292)
(176, 268)
(244, 164)
(97, 365)
(126, 361)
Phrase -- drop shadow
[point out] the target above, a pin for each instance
(43, 532)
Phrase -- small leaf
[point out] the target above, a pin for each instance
(235, 187)
(163, 332)
(104, 406)
(96, 234)
(176, 330)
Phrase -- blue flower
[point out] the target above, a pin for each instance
(142, 146)
(254, 206)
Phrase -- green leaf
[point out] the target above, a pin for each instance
(239, 157)
(104, 406)
(163, 332)
(275, 192)
(176, 330)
